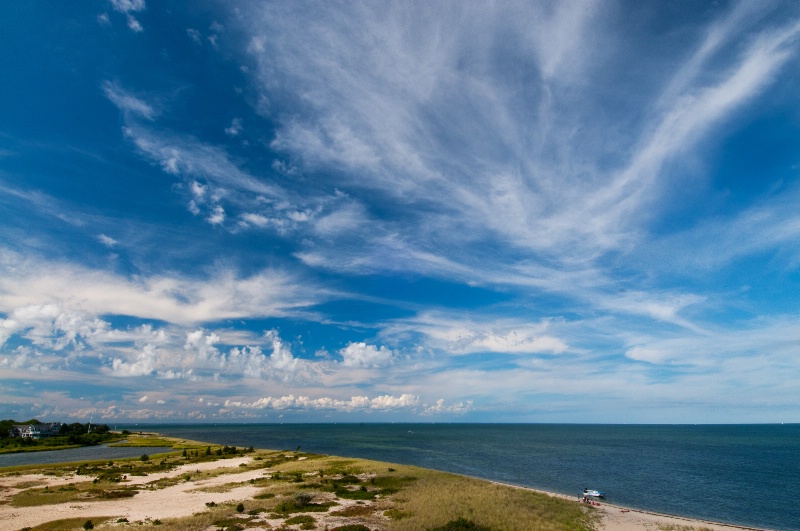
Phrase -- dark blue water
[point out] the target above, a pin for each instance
(745, 475)
(87, 453)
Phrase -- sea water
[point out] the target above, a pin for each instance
(71, 455)
(747, 475)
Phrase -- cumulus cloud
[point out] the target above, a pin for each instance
(383, 402)
(144, 364)
(362, 355)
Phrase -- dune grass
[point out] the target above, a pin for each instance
(308, 491)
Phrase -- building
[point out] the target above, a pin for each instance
(36, 431)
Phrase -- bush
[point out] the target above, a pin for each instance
(305, 521)
(88, 524)
(240, 508)
(144, 457)
(461, 525)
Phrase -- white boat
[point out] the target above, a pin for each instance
(593, 493)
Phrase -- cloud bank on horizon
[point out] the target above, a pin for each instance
(400, 211)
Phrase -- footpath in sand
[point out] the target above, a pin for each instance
(183, 499)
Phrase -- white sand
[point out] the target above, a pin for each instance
(618, 518)
(178, 500)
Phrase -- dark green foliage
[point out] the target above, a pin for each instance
(357, 494)
(387, 485)
(88, 524)
(351, 527)
(75, 434)
(305, 521)
(461, 525)
(300, 506)
(240, 508)
(144, 457)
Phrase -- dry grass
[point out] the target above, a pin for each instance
(82, 491)
(437, 498)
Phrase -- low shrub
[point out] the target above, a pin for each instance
(461, 524)
(304, 521)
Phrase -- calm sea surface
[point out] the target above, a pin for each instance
(747, 475)
(87, 453)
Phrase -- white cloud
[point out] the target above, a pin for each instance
(193, 34)
(134, 24)
(462, 336)
(235, 128)
(440, 407)
(217, 216)
(363, 355)
(356, 403)
(127, 6)
(26, 359)
(144, 364)
(33, 291)
(127, 103)
(108, 241)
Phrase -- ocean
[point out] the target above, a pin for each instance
(748, 475)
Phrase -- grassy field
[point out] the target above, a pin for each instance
(304, 491)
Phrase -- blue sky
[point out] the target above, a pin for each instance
(400, 211)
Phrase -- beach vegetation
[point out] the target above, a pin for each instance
(352, 511)
(304, 521)
(68, 524)
(396, 514)
(301, 502)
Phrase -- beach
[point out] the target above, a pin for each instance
(193, 488)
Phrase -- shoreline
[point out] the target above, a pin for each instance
(620, 514)
(187, 498)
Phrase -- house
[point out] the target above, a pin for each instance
(36, 431)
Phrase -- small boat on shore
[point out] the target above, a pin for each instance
(593, 493)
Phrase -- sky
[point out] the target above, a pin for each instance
(449, 211)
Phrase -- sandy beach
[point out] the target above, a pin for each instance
(205, 486)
